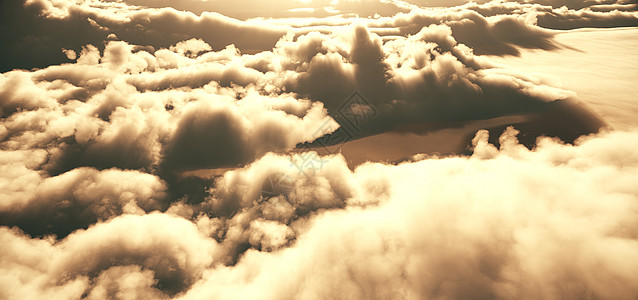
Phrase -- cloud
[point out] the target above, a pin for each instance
(157, 250)
(126, 114)
(127, 282)
(505, 223)
(564, 14)
(70, 26)
(455, 227)
(426, 77)
(118, 122)
(598, 82)
(570, 19)
(484, 34)
(164, 154)
(76, 199)
(247, 9)
(53, 26)
(131, 109)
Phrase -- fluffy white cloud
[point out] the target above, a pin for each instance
(76, 199)
(156, 250)
(132, 109)
(187, 108)
(506, 223)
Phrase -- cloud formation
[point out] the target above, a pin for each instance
(524, 235)
(155, 150)
(188, 107)
(35, 24)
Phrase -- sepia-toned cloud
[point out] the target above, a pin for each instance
(505, 223)
(199, 149)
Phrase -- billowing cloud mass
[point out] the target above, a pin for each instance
(213, 150)
(507, 224)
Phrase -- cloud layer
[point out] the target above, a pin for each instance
(35, 31)
(155, 150)
(504, 224)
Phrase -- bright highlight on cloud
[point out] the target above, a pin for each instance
(204, 149)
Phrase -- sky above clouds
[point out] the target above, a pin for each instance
(342, 149)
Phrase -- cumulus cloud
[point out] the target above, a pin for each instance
(481, 225)
(57, 25)
(224, 132)
(426, 77)
(76, 199)
(119, 121)
(162, 251)
(143, 116)
(188, 107)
